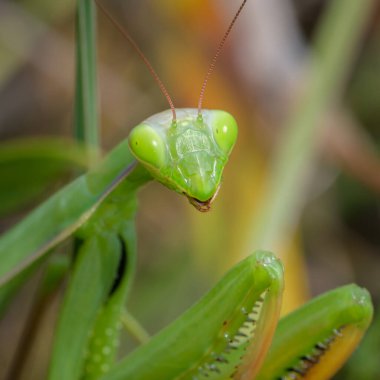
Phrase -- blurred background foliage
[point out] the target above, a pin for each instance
(334, 237)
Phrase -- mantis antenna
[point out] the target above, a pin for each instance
(213, 62)
(142, 56)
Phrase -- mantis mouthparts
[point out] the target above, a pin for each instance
(202, 206)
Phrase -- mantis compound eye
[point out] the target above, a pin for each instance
(147, 146)
(225, 130)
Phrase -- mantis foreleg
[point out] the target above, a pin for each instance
(97, 292)
(314, 341)
(209, 340)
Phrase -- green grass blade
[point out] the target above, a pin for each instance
(86, 100)
(335, 46)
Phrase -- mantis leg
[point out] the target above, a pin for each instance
(62, 214)
(226, 335)
(97, 292)
(314, 341)
(236, 318)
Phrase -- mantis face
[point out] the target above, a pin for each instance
(187, 155)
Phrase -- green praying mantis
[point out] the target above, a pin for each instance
(233, 331)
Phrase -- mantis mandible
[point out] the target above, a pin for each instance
(231, 327)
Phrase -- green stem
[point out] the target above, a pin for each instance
(133, 326)
(86, 124)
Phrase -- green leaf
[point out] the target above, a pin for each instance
(29, 168)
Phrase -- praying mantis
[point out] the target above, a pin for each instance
(233, 331)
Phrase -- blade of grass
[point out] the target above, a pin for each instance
(86, 124)
(335, 46)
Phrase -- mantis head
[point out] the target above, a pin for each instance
(187, 155)
(185, 149)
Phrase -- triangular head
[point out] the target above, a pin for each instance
(187, 155)
(186, 149)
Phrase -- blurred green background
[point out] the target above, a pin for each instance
(333, 233)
